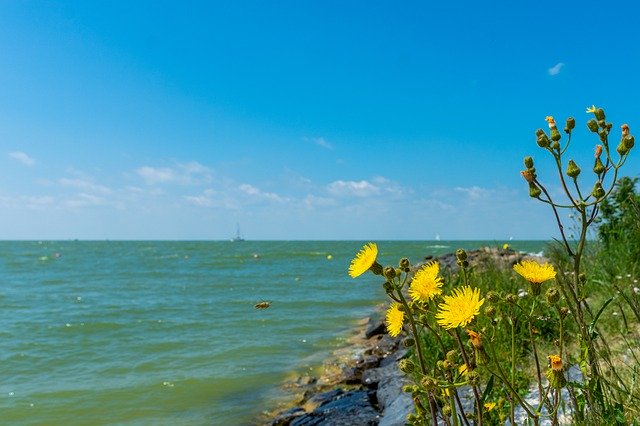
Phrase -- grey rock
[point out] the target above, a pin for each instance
(351, 408)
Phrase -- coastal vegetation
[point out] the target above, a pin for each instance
(551, 340)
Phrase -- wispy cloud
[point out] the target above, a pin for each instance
(84, 184)
(184, 173)
(320, 142)
(255, 192)
(362, 188)
(23, 158)
(555, 70)
(474, 193)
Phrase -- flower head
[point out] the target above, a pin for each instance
(489, 406)
(598, 151)
(426, 283)
(364, 260)
(475, 338)
(552, 122)
(460, 308)
(625, 129)
(394, 319)
(534, 272)
(556, 362)
(591, 109)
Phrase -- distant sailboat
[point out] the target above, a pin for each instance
(437, 237)
(238, 237)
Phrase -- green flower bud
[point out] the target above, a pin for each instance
(540, 132)
(406, 366)
(598, 167)
(490, 311)
(572, 169)
(447, 365)
(388, 287)
(492, 296)
(534, 191)
(511, 298)
(528, 162)
(629, 141)
(389, 273)
(440, 364)
(555, 134)
(593, 125)
(622, 149)
(452, 356)
(571, 123)
(461, 254)
(543, 141)
(563, 312)
(473, 378)
(555, 145)
(552, 295)
(602, 135)
(408, 342)
(602, 124)
(599, 113)
(404, 263)
(535, 288)
(429, 383)
(446, 410)
(598, 191)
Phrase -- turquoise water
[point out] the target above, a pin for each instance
(165, 333)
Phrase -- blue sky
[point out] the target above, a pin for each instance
(299, 119)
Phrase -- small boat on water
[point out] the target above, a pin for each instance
(238, 236)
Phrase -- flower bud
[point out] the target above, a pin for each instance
(389, 273)
(571, 123)
(563, 312)
(598, 152)
(511, 298)
(490, 311)
(593, 125)
(408, 342)
(534, 191)
(388, 287)
(542, 141)
(452, 356)
(599, 113)
(440, 364)
(622, 149)
(429, 383)
(473, 378)
(602, 134)
(446, 410)
(404, 263)
(598, 191)
(555, 134)
(629, 141)
(492, 296)
(552, 295)
(529, 175)
(406, 366)
(447, 364)
(461, 254)
(528, 162)
(539, 132)
(598, 167)
(602, 124)
(572, 169)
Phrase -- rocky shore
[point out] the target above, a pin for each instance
(361, 383)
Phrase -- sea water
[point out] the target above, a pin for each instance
(166, 333)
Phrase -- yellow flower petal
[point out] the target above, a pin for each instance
(534, 272)
(426, 284)
(460, 308)
(363, 260)
(394, 319)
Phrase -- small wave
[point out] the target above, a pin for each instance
(538, 254)
(438, 246)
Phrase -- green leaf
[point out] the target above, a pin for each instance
(592, 326)
(487, 391)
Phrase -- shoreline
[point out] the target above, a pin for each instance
(361, 383)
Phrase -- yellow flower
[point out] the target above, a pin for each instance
(591, 109)
(460, 308)
(395, 318)
(489, 406)
(364, 260)
(462, 369)
(426, 283)
(505, 246)
(556, 362)
(534, 272)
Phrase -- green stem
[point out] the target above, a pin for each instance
(414, 331)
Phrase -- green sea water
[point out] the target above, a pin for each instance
(166, 333)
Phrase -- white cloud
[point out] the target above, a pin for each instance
(183, 173)
(83, 200)
(363, 188)
(555, 70)
(474, 193)
(85, 184)
(323, 143)
(257, 193)
(23, 158)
